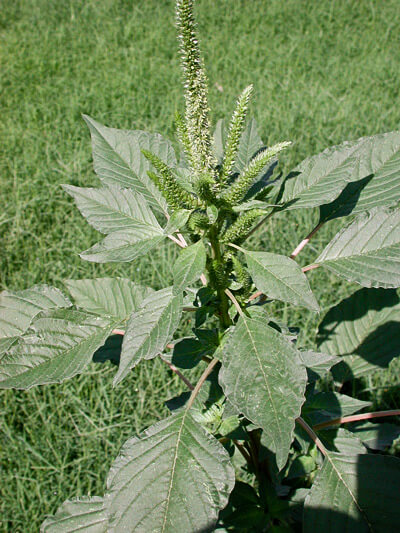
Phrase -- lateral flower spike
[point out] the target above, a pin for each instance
(238, 190)
(196, 92)
(175, 195)
(235, 132)
(242, 225)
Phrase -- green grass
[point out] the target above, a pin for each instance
(323, 72)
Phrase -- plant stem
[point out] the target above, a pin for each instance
(309, 267)
(259, 224)
(312, 435)
(234, 301)
(202, 379)
(356, 418)
(305, 241)
(178, 373)
(224, 305)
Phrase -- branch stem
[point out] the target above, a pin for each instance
(235, 302)
(178, 373)
(305, 241)
(356, 418)
(302, 423)
(202, 379)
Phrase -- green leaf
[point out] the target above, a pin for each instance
(321, 178)
(18, 308)
(110, 209)
(357, 493)
(118, 159)
(317, 363)
(250, 143)
(188, 353)
(330, 405)
(189, 266)
(342, 441)
(115, 297)
(110, 351)
(280, 278)
(368, 250)
(86, 515)
(149, 329)
(364, 329)
(175, 477)
(177, 221)
(124, 246)
(61, 346)
(379, 187)
(263, 377)
(375, 436)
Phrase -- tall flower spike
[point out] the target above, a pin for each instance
(183, 137)
(235, 132)
(237, 191)
(196, 93)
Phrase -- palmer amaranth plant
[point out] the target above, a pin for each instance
(257, 444)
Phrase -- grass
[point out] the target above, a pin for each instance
(323, 72)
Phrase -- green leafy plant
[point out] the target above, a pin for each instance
(257, 444)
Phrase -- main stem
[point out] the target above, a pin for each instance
(224, 318)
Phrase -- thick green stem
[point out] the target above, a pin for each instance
(222, 297)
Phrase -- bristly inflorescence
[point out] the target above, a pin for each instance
(234, 194)
(196, 93)
(234, 135)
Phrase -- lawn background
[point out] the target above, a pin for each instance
(324, 71)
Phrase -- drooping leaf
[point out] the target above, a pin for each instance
(116, 297)
(189, 266)
(149, 329)
(263, 377)
(375, 436)
(325, 406)
(250, 143)
(173, 477)
(379, 187)
(188, 353)
(124, 246)
(18, 308)
(321, 178)
(368, 250)
(357, 493)
(118, 159)
(110, 209)
(318, 363)
(364, 329)
(61, 345)
(86, 515)
(280, 278)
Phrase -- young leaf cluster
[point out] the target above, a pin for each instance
(257, 444)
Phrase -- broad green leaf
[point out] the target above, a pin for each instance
(330, 405)
(124, 246)
(149, 329)
(341, 440)
(321, 178)
(189, 266)
(317, 363)
(357, 493)
(280, 278)
(116, 297)
(86, 515)
(364, 329)
(368, 250)
(250, 143)
(375, 436)
(61, 345)
(118, 159)
(175, 477)
(188, 353)
(379, 187)
(110, 209)
(18, 308)
(177, 221)
(263, 377)
(110, 351)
